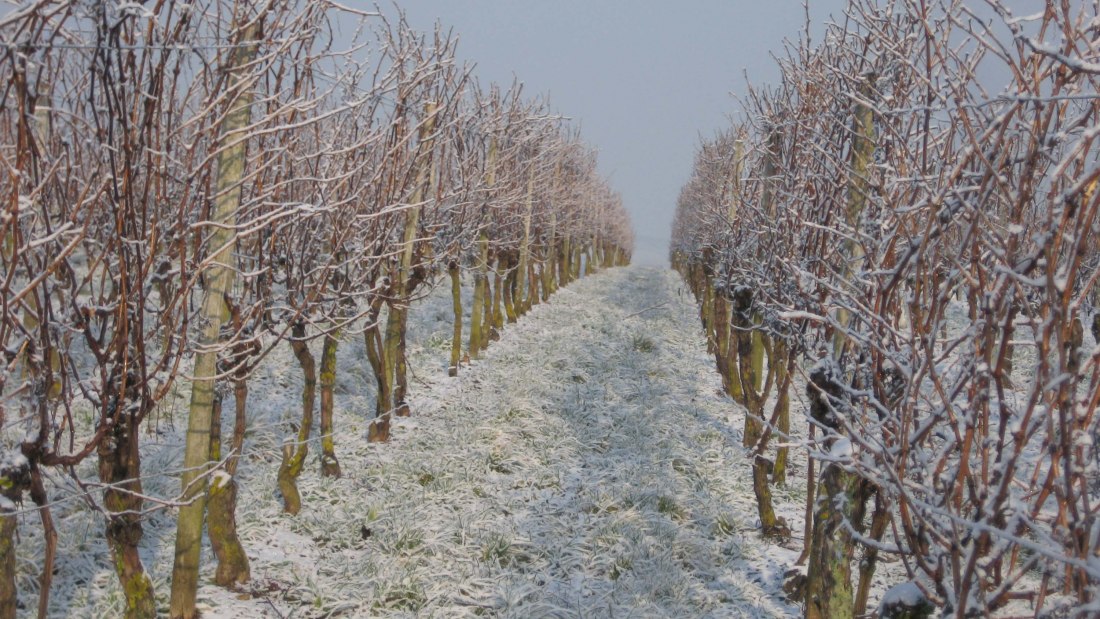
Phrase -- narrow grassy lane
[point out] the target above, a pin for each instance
(601, 476)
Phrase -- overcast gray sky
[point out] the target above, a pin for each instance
(645, 78)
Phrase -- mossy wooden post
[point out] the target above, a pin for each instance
(771, 171)
(731, 376)
(294, 453)
(395, 363)
(722, 317)
(491, 319)
(480, 303)
(330, 465)
(533, 283)
(745, 371)
(509, 292)
(549, 285)
(578, 259)
(522, 287)
(456, 306)
(397, 320)
(481, 313)
(575, 249)
(563, 271)
(567, 260)
(549, 282)
(706, 303)
(710, 314)
(221, 524)
(591, 262)
(511, 281)
(495, 320)
(219, 280)
(758, 348)
(783, 405)
(546, 274)
(483, 301)
(733, 363)
(863, 149)
(829, 592)
(570, 259)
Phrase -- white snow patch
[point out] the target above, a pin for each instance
(842, 449)
(220, 479)
(906, 594)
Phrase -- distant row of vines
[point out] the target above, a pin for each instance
(188, 185)
(908, 225)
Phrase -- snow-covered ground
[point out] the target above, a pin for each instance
(589, 465)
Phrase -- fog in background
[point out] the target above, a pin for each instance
(643, 78)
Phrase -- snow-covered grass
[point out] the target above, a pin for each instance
(589, 465)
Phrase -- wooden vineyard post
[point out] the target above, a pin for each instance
(219, 280)
(456, 303)
(480, 314)
(522, 286)
(397, 320)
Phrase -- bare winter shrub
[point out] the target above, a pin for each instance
(931, 246)
(189, 185)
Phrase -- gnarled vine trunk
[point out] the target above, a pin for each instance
(294, 453)
(379, 430)
(120, 470)
(330, 466)
(14, 480)
(221, 497)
